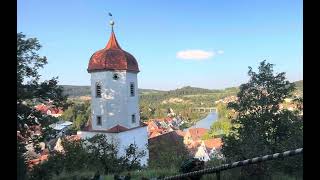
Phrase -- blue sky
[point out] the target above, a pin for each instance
(205, 43)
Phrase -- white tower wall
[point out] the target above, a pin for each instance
(138, 136)
(116, 105)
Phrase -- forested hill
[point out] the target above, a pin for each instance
(76, 91)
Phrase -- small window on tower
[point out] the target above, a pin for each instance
(133, 118)
(99, 122)
(98, 90)
(115, 76)
(132, 89)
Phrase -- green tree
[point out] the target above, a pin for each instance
(167, 151)
(131, 159)
(75, 155)
(78, 113)
(95, 154)
(260, 126)
(30, 91)
(103, 154)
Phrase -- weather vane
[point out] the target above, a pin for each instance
(111, 21)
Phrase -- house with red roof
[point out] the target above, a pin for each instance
(160, 126)
(209, 149)
(193, 136)
(49, 110)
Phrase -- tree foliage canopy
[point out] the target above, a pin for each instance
(96, 154)
(261, 126)
(31, 91)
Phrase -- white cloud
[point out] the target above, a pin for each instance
(197, 54)
(220, 52)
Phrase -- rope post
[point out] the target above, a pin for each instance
(218, 175)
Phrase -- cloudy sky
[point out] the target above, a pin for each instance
(205, 43)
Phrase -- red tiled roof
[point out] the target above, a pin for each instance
(154, 134)
(197, 133)
(42, 108)
(38, 160)
(112, 57)
(45, 152)
(152, 126)
(117, 129)
(213, 143)
(56, 110)
(180, 133)
(173, 135)
(73, 137)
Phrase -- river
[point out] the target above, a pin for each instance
(206, 122)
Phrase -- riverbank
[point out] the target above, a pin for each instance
(205, 122)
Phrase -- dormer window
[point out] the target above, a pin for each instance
(132, 89)
(98, 90)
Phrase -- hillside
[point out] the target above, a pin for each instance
(188, 91)
(77, 91)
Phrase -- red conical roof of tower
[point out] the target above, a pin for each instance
(112, 57)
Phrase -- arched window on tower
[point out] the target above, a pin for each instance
(133, 118)
(132, 89)
(99, 122)
(98, 90)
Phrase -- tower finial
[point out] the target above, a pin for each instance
(111, 21)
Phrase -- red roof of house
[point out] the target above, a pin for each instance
(117, 129)
(56, 110)
(41, 107)
(180, 133)
(44, 109)
(45, 152)
(213, 143)
(154, 134)
(152, 126)
(38, 160)
(73, 137)
(197, 133)
(112, 57)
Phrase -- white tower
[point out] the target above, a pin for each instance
(115, 98)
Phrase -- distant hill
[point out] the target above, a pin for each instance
(299, 85)
(149, 91)
(76, 91)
